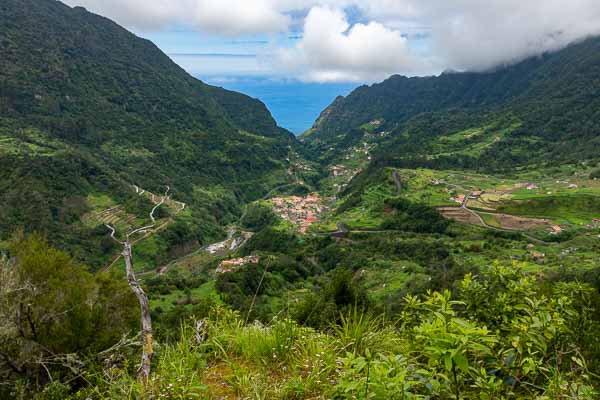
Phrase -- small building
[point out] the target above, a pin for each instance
(476, 194)
(537, 256)
(231, 265)
(555, 230)
(337, 170)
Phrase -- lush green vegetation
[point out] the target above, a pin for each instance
(56, 318)
(87, 108)
(543, 110)
(410, 217)
(257, 217)
(399, 307)
(385, 297)
(576, 207)
(499, 333)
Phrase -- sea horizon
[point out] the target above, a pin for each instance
(294, 104)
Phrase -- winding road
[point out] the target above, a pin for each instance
(231, 230)
(150, 230)
(464, 205)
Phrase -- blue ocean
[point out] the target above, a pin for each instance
(295, 105)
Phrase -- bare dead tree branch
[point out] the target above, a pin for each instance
(49, 317)
(43, 364)
(145, 318)
(12, 364)
(116, 355)
(31, 324)
(125, 342)
(200, 332)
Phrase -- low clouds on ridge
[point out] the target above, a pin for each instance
(461, 34)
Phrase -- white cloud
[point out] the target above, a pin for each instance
(235, 17)
(471, 34)
(461, 34)
(332, 50)
(136, 13)
(226, 17)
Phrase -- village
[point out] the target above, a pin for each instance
(301, 212)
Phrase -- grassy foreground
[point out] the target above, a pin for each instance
(504, 336)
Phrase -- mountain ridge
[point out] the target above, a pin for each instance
(89, 109)
(558, 86)
(98, 40)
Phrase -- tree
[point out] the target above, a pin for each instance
(50, 308)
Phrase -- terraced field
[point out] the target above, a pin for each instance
(31, 142)
(570, 199)
(461, 215)
(472, 142)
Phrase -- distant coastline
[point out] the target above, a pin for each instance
(295, 105)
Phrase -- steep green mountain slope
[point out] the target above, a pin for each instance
(88, 109)
(543, 109)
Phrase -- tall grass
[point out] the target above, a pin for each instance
(363, 358)
(359, 332)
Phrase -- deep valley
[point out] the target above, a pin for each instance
(428, 238)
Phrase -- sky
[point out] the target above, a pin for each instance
(298, 55)
(350, 40)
